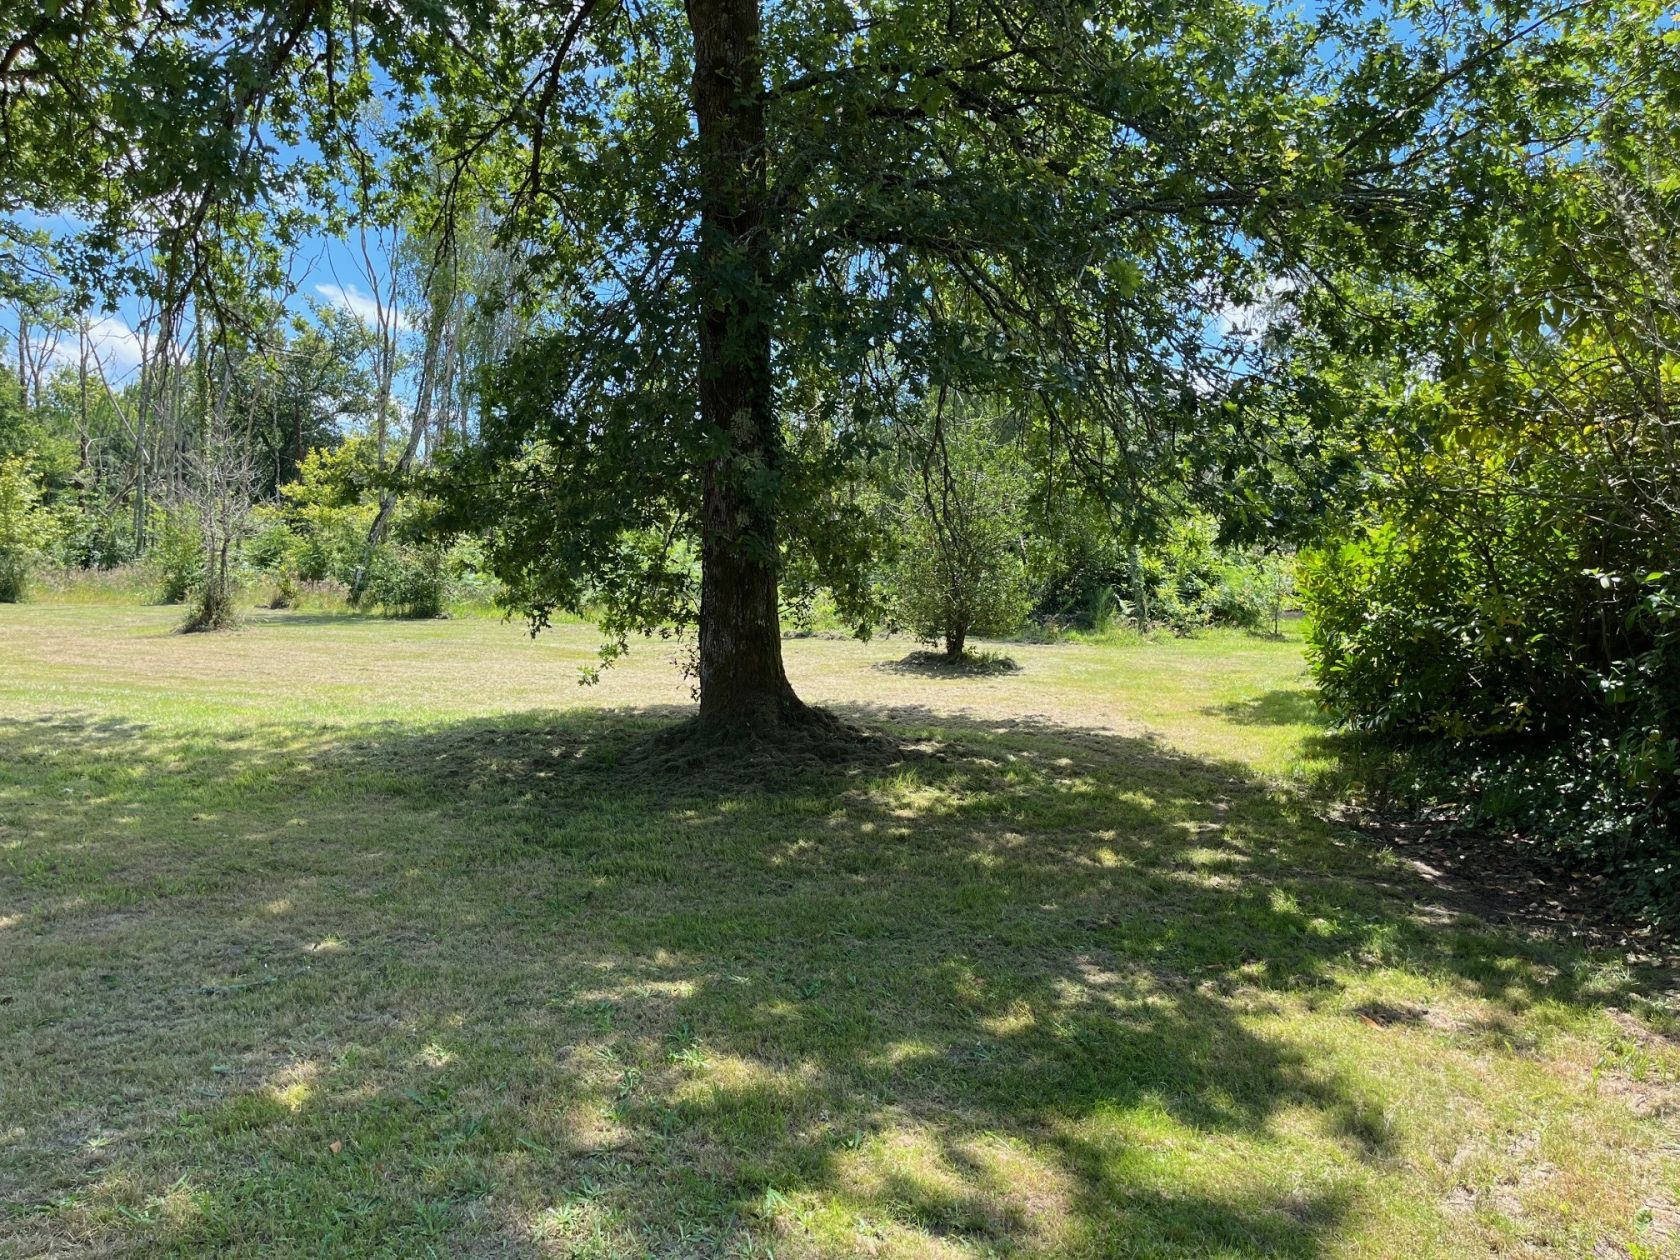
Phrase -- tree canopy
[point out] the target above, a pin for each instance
(746, 243)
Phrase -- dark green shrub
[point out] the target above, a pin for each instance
(285, 590)
(960, 525)
(98, 540)
(1184, 580)
(215, 606)
(176, 556)
(411, 579)
(1544, 697)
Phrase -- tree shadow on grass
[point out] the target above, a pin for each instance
(974, 663)
(508, 983)
(297, 619)
(1286, 706)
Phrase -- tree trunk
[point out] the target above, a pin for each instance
(955, 642)
(418, 421)
(1140, 593)
(742, 682)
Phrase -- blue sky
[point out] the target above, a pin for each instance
(325, 270)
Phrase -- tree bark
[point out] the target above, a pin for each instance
(418, 421)
(742, 681)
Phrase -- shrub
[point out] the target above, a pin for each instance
(97, 540)
(28, 530)
(950, 589)
(215, 606)
(1104, 609)
(411, 579)
(1431, 625)
(1182, 581)
(1491, 604)
(176, 556)
(326, 513)
(285, 590)
(1541, 694)
(1252, 592)
(272, 547)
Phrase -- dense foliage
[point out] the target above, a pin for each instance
(1505, 586)
(959, 516)
(1184, 580)
(27, 529)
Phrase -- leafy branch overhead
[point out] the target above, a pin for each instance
(746, 245)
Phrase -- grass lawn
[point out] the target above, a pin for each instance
(345, 935)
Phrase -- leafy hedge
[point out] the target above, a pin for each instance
(1511, 709)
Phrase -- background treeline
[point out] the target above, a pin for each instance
(309, 471)
(272, 449)
(262, 445)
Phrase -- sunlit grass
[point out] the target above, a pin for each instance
(347, 935)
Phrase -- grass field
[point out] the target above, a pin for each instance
(339, 935)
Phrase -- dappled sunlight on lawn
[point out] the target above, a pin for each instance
(508, 982)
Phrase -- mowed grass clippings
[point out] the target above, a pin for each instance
(346, 936)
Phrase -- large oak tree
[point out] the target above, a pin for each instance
(755, 238)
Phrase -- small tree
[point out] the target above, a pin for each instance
(225, 476)
(961, 565)
(27, 529)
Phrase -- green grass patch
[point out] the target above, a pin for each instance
(339, 935)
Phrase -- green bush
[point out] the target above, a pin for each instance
(1455, 626)
(285, 593)
(175, 558)
(1184, 580)
(314, 540)
(215, 606)
(945, 592)
(411, 579)
(1541, 696)
(28, 530)
(97, 540)
(960, 528)
(1254, 592)
(1498, 603)
(326, 513)
(1104, 609)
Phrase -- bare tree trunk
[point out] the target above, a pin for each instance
(81, 412)
(742, 680)
(142, 416)
(1140, 593)
(387, 319)
(225, 478)
(418, 422)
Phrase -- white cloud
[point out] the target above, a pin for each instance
(116, 346)
(1250, 319)
(362, 305)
